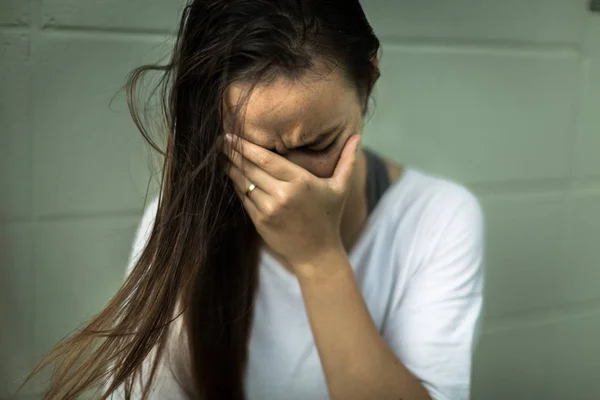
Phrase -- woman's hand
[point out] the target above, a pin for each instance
(297, 214)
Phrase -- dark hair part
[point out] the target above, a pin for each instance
(201, 257)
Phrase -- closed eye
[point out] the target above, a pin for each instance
(326, 150)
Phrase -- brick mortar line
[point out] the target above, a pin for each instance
(540, 317)
(497, 46)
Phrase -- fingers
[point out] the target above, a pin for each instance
(343, 171)
(253, 173)
(273, 164)
(241, 183)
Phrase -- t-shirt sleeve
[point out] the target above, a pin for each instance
(434, 325)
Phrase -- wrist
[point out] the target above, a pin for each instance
(322, 265)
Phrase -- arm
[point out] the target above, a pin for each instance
(358, 363)
(430, 332)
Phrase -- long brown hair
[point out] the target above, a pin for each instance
(201, 256)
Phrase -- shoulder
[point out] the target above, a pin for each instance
(435, 218)
(433, 200)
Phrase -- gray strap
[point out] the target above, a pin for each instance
(378, 179)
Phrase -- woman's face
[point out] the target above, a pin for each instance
(306, 121)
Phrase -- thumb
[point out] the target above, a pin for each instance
(345, 166)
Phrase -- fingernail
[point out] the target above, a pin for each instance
(229, 137)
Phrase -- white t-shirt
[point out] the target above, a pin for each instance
(418, 263)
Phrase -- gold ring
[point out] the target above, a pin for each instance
(250, 189)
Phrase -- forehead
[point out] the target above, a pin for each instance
(285, 104)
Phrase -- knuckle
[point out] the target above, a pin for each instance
(265, 159)
(270, 211)
(281, 195)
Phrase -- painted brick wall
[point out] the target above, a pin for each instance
(501, 95)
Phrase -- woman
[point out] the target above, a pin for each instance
(287, 262)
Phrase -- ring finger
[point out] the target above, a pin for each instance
(242, 183)
(253, 173)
